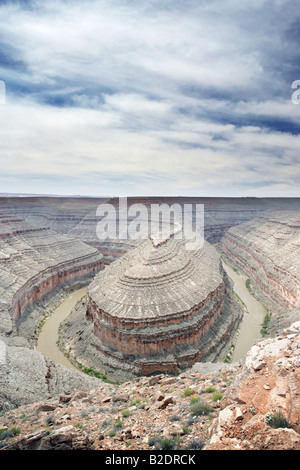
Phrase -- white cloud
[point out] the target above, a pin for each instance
(172, 97)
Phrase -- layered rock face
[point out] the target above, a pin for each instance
(267, 250)
(160, 308)
(268, 384)
(33, 261)
(77, 218)
(27, 376)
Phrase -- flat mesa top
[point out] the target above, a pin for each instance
(156, 280)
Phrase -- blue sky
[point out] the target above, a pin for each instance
(136, 97)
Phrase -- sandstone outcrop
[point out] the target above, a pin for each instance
(33, 262)
(26, 376)
(210, 407)
(267, 250)
(161, 308)
(268, 384)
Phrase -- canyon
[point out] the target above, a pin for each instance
(49, 246)
(267, 250)
(159, 308)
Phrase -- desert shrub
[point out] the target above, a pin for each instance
(164, 443)
(168, 443)
(264, 327)
(4, 433)
(217, 396)
(153, 440)
(186, 429)
(210, 389)
(201, 408)
(118, 425)
(194, 399)
(277, 420)
(195, 444)
(174, 418)
(125, 413)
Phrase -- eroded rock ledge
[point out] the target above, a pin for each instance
(33, 262)
(267, 250)
(159, 308)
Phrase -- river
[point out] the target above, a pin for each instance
(252, 322)
(49, 334)
(248, 333)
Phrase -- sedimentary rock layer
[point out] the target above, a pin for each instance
(27, 376)
(154, 309)
(33, 261)
(267, 250)
(77, 217)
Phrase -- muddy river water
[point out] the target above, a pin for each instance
(249, 330)
(49, 334)
(252, 322)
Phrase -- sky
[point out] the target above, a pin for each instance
(150, 98)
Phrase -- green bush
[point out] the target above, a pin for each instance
(186, 429)
(264, 327)
(194, 399)
(164, 443)
(169, 443)
(125, 413)
(201, 408)
(277, 420)
(217, 396)
(210, 389)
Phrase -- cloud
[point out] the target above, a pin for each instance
(149, 97)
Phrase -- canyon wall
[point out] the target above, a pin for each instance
(34, 261)
(77, 217)
(160, 308)
(267, 250)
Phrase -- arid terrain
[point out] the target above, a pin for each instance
(49, 248)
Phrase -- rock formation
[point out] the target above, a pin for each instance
(26, 376)
(267, 250)
(160, 308)
(76, 217)
(210, 407)
(267, 385)
(33, 262)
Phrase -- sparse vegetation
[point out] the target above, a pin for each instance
(264, 328)
(276, 420)
(186, 429)
(201, 408)
(217, 396)
(164, 443)
(125, 413)
(4, 433)
(188, 391)
(195, 444)
(194, 399)
(210, 389)
(174, 418)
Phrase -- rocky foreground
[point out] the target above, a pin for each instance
(249, 406)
